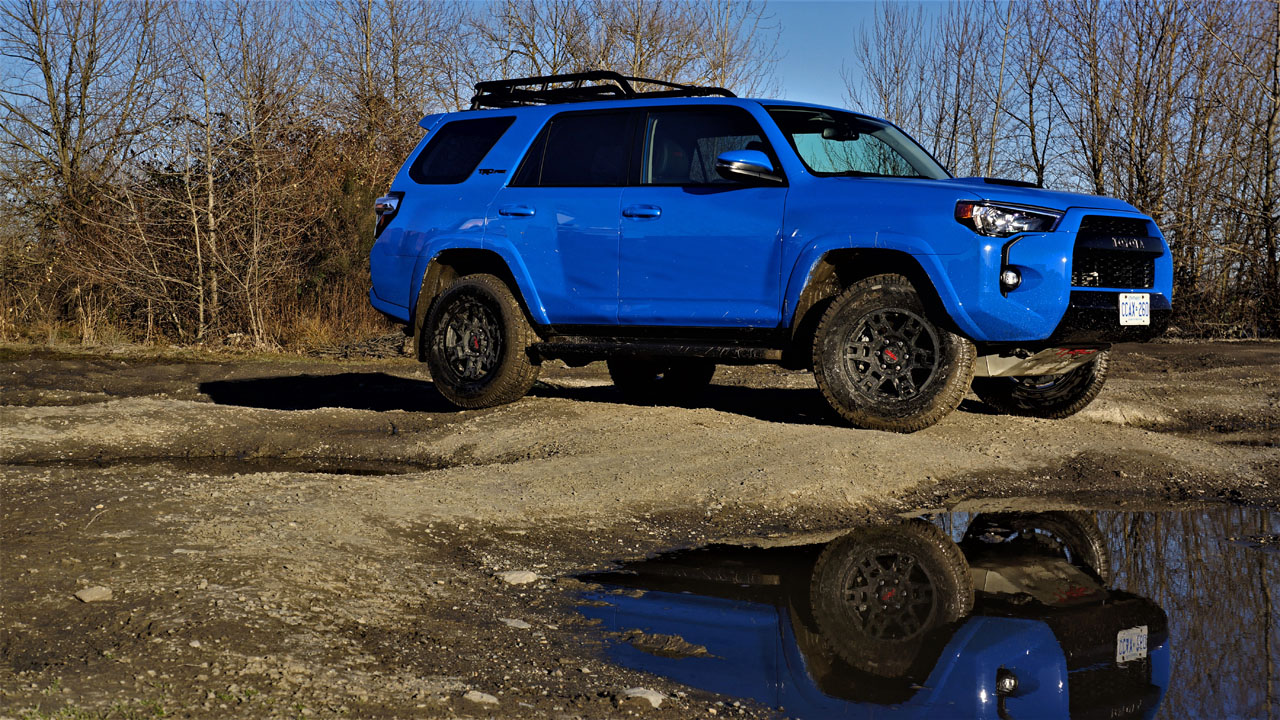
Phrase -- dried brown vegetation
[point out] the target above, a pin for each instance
(192, 172)
(189, 172)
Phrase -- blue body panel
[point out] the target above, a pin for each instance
(752, 652)
(728, 256)
(710, 259)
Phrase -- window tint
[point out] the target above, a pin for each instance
(579, 150)
(681, 146)
(457, 149)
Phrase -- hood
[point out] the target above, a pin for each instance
(1023, 194)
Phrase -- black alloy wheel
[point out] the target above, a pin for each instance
(892, 355)
(472, 340)
(476, 342)
(883, 364)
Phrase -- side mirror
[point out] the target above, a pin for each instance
(746, 165)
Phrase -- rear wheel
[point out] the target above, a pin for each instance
(878, 592)
(477, 342)
(660, 380)
(883, 364)
(1045, 396)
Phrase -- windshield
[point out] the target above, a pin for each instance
(831, 142)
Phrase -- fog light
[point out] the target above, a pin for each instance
(1010, 279)
(1006, 682)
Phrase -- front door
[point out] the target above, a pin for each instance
(697, 249)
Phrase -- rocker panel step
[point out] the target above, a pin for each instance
(569, 346)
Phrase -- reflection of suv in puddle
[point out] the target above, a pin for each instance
(1015, 621)
(671, 229)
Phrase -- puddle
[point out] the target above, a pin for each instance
(228, 465)
(1000, 615)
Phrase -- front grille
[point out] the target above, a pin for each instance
(1110, 225)
(1111, 268)
(1099, 267)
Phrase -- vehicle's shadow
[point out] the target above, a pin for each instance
(977, 407)
(798, 406)
(357, 391)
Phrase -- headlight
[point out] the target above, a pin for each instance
(1004, 220)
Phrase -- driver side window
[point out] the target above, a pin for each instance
(681, 145)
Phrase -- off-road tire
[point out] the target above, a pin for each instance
(1045, 396)
(1073, 535)
(865, 623)
(476, 343)
(648, 381)
(876, 319)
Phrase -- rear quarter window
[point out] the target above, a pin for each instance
(457, 149)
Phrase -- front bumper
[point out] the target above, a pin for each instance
(1092, 317)
(1071, 281)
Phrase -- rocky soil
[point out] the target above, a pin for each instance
(201, 535)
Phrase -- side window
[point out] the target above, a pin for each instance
(681, 145)
(457, 149)
(579, 150)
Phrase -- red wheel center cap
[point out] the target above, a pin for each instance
(889, 354)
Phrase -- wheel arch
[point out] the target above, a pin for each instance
(837, 269)
(452, 263)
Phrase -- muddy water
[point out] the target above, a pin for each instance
(1170, 614)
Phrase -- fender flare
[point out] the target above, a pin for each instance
(502, 253)
(931, 266)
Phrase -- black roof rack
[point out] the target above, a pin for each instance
(572, 87)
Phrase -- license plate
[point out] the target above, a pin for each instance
(1131, 644)
(1135, 309)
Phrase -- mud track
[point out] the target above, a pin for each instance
(288, 537)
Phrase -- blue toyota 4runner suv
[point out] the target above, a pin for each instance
(667, 230)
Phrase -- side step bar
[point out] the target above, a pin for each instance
(571, 347)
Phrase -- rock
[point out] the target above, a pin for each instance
(476, 696)
(517, 624)
(641, 697)
(94, 594)
(518, 577)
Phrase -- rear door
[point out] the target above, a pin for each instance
(697, 249)
(561, 213)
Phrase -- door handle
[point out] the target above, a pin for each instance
(642, 211)
(516, 211)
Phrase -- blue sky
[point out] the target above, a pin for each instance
(816, 40)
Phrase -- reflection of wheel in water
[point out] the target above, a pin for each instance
(1073, 536)
(878, 591)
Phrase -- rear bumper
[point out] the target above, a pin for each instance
(1093, 317)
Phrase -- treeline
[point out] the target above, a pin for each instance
(1173, 106)
(192, 172)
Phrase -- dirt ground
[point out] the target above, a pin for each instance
(313, 537)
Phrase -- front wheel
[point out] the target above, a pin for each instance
(1045, 396)
(477, 342)
(883, 364)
